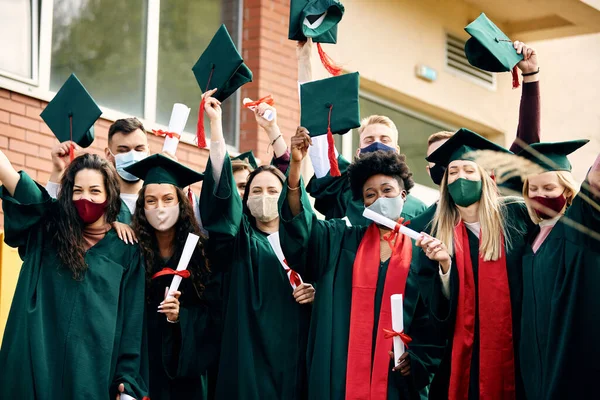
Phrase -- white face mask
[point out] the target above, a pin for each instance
(123, 160)
(264, 207)
(163, 218)
(390, 207)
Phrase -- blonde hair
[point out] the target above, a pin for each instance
(439, 136)
(565, 178)
(378, 119)
(491, 216)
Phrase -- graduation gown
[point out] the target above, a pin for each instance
(443, 311)
(181, 354)
(560, 345)
(324, 251)
(333, 198)
(124, 215)
(67, 338)
(263, 352)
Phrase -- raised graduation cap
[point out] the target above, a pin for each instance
(318, 20)
(460, 145)
(161, 169)
(247, 158)
(219, 67)
(490, 49)
(552, 156)
(72, 113)
(330, 106)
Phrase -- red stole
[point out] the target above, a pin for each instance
(496, 351)
(363, 380)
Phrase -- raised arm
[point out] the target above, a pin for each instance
(300, 143)
(528, 130)
(8, 175)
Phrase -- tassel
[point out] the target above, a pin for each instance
(515, 77)
(200, 134)
(328, 63)
(334, 169)
(190, 196)
(71, 146)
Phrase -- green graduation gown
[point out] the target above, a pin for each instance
(324, 251)
(181, 354)
(67, 338)
(443, 311)
(560, 345)
(263, 352)
(124, 214)
(333, 198)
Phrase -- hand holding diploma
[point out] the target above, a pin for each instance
(170, 306)
(186, 256)
(402, 358)
(261, 107)
(388, 223)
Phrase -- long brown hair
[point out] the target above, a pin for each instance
(186, 224)
(66, 225)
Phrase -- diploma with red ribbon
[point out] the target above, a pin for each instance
(179, 117)
(293, 276)
(269, 114)
(389, 223)
(401, 340)
(186, 256)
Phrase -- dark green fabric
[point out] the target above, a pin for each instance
(324, 33)
(221, 67)
(443, 311)
(324, 251)
(561, 312)
(263, 352)
(422, 223)
(489, 48)
(66, 338)
(161, 169)
(181, 355)
(72, 100)
(333, 198)
(124, 215)
(552, 156)
(340, 93)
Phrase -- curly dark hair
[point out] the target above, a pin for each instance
(379, 162)
(198, 267)
(263, 168)
(66, 226)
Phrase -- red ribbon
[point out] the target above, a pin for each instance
(160, 132)
(389, 333)
(267, 99)
(168, 271)
(391, 237)
(294, 277)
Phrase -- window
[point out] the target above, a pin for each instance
(18, 37)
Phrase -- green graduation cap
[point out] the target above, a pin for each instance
(552, 156)
(72, 113)
(160, 169)
(490, 49)
(248, 158)
(330, 106)
(316, 19)
(458, 146)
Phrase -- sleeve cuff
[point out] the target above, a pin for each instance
(445, 279)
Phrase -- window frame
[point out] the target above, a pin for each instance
(39, 87)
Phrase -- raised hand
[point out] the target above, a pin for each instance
(212, 106)
(299, 144)
(435, 250)
(530, 62)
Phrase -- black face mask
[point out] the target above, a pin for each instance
(437, 174)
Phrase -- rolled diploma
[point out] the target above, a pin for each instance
(179, 117)
(397, 326)
(186, 256)
(381, 220)
(276, 246)
(126, 397)
(268, 115)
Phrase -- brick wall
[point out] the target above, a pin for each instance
(27, 141)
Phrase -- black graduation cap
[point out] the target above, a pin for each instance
(552, 156)
(72, 113)
(330, 106)
(219, 67)
(160, 169)
(247, 158)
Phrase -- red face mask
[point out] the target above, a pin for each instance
(555, 204)
(89, 211)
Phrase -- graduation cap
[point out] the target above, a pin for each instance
(490, 49)
(552, 156)
(460, 145)
(72, 113)
(161, 169)
(318, 20)
(246, 158)
(330, 106)
(220, 67)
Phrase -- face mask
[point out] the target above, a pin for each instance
(465, 192)
(389, 207)
(89, 211)
(123, 160)
(163, 218)
(376, 146)
(437, 174)
(263, 207)
(541, 204)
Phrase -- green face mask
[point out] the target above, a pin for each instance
(465, 192)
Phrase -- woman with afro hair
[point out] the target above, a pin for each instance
(357, 269)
